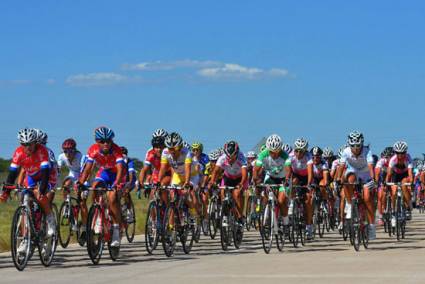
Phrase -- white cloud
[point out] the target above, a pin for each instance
(236, 71)
(171, 65)
(96, 79)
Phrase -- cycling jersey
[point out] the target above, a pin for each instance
(105, 161)
(357, 164)
(400, 166)
(274, 168)
(335, 164)
(318, 169)
(131, 171)
(33, 164)
(299, 167)
(234, 170)
(382, 164)
(178, 165)
(74, 166)
(153, 161)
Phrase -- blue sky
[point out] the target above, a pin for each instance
(213, 70)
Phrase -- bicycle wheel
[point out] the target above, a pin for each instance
(169, 237)
(294, 226)
(188, 233)
(301, 226)
(355, 227)
(130, 228)
(151, 227)
(65, 224)
(249, 212)
(212, 218)
(46, 244)
(95, 233)
(81, 238)
(398, 218)
(20, 235)
(322, 223)
(225, 232)
(267, 228)
(280, 238)
(114, 252)
(346, 224)
(365, 236)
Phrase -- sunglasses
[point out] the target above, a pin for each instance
(68, 151)
(299, 151)
(27, 144)
(400, 153)
(104, 141)
(356, 146)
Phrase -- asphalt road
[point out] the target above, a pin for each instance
(327, 260)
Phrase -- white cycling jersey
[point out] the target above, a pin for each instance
(357, 164)
(73, 166)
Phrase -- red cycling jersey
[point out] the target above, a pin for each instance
(154, 162)
(33, 163)
(106, 161)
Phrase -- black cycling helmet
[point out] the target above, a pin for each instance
(316, 151)
(158, 142)
(124, 150)
(231, 149)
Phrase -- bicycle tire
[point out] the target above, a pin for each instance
(46, 242)
(225, 236)
(188, 234)
(169, 238)
(95, 242)
(267, 229)
(21, 262)
(212, 219)
(151, 227)
(130, 228)
(65, 224)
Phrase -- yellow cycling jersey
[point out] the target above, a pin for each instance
(178, 165)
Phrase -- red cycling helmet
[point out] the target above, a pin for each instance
(69, 144)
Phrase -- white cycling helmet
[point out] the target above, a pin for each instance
(274, 143)
(160, 132)
(400, 147)
(214, 155)
(41, 136)
(340, 151)
(173, 140)
(355, 138)
(328, 153)
(301, 144)
(27, 136)
(287, 148)
(251, 155)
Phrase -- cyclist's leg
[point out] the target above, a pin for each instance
(348, 192)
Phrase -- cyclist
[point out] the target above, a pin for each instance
(318, 172)
(233, 166)
(152, 165)
(112, 173)
(179, 159)
(400, 169)
(33, 159)
(357, 161)
(380, 174)
(209, 168)
(328, 156)
(131, 183)
(42, 139)
(272, 161)
(296, 171)
(71, 159)
(251, 156)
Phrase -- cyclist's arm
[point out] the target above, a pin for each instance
(214, 175)
(143, 172)
(244, 176)
(162, 170)
(377, 173)
(120, 171)
(187, 172)
(310, 174)
(410, 173)
(389, 174)
(371, 171)
(256, 173)
(326, 176)
(21, 177)
(86, 172)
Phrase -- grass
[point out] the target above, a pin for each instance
(7, 210)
